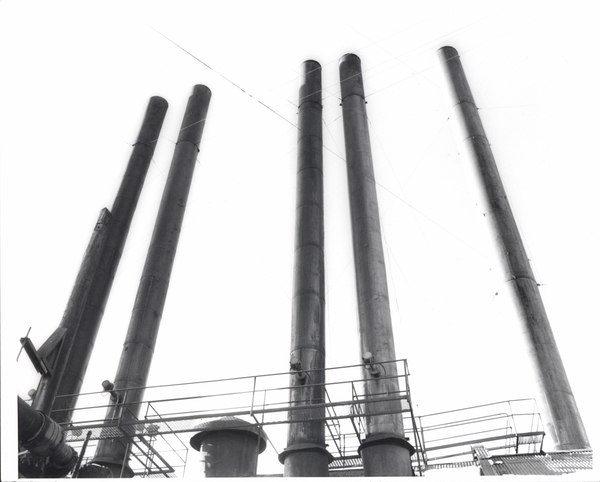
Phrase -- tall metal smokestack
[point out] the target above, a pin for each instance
(385, 451)
(54, 353)
(305, 454)
(556, 399)
(82, 317)
(138, 348)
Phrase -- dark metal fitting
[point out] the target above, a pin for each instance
(369, 361)
(48, 437)
(295, 364)
(296, 369)
(109, 387)
(115, 465)
(34, 467)
(387, 439)
(301, 377)
(305, 446)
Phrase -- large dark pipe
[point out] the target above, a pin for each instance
(557, 403)
(55, 352)
(85, 309)
(48, 455)
(138, 348)
(385, 450)
(305, 454)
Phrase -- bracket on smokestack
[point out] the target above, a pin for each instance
(369, 361)
(296, 369)
(108, 387)
(33, 355)
(44, 358)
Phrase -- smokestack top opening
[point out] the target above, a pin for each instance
(153, 121)
(351, 81)
(159, 101)
(311, 72)
(200, 89)
(447, 53)
(194, 117)
(310, 64)
(350, 57)
(310, 82)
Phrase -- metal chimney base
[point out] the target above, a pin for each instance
(386, 455)
(305, 460)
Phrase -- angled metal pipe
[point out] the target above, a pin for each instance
(82, 317)
(305, 454)
(54, 354)
(138, 349)
(557, 403)
(385, 450)
(48, 455)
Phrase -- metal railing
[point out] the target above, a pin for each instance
(511, 426)
(157, 448)
(261, 400)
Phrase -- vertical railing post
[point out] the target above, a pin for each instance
(253, 394)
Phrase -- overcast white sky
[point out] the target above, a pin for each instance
(76, 81)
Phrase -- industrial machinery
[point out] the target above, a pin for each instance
(351, 420)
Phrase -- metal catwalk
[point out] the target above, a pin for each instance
(157, 440)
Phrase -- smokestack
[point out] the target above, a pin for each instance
(54, 353)
(81, 320)
(557, 403)
(138, 348)
(305, 454)
(385, 450)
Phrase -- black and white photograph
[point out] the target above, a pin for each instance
(299, 239)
